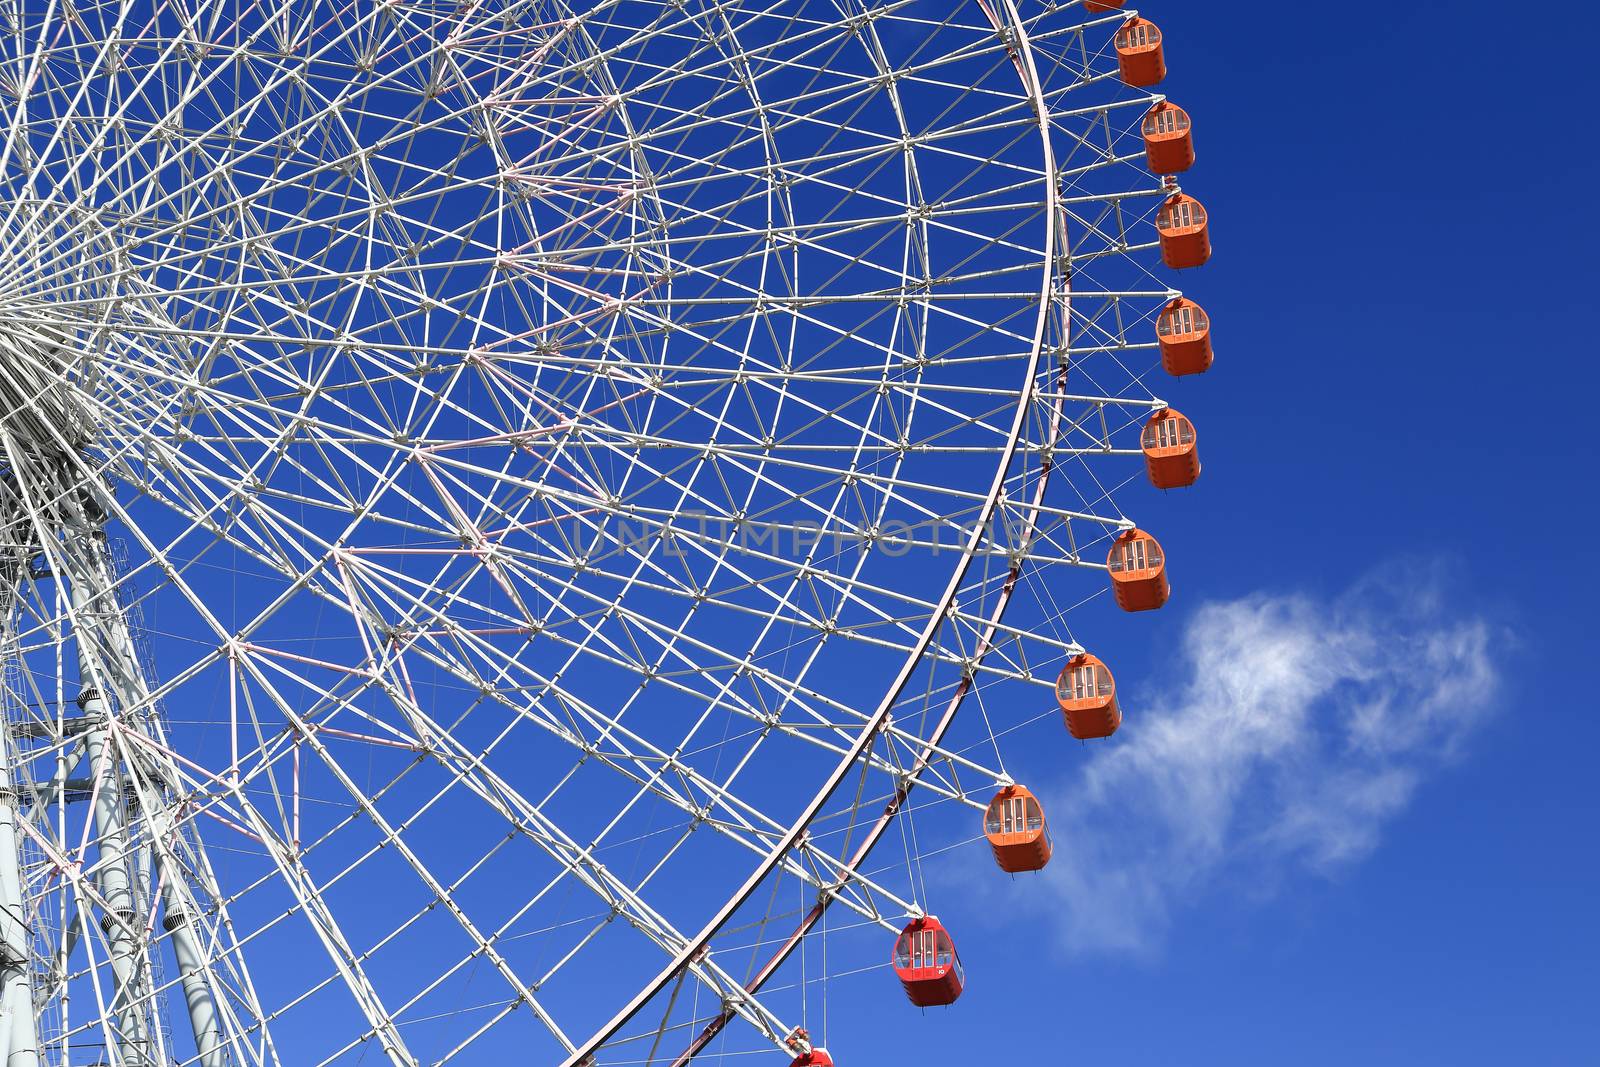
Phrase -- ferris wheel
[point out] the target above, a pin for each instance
(504, 506)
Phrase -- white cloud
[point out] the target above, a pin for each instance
(1296, 730)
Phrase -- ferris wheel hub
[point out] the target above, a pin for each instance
(40, 412)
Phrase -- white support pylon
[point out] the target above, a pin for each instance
(106, 658)
(197, 997)
(20, 1028)
(112, 880)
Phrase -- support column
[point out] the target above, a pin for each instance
(118, 667)
(21, 1046)
(91, 592)
(191, 973)
(121, 915)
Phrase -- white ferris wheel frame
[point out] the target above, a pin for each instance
(116, 666)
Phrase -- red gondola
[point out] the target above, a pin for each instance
(1016, 829)
(1139, 55)
(1170, 455)
(1138, 571)
(1184, 333)
(1088, 697)
(817, 1057)
(1185, 232)
(1168, 139)
(926, 963)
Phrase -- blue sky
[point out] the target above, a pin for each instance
(1396, 450)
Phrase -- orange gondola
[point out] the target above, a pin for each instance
(926, 963)
(1140, 57)
(1168, 139)
(1087, 694)
(1185, 232)
(1184, 332)
(1138, 572)
(1171, 458)
(1015, 827)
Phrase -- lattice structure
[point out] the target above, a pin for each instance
(587, 474)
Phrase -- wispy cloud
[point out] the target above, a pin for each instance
(1296, 729)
